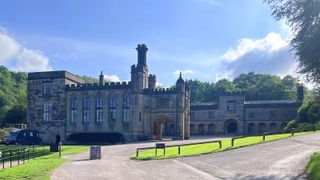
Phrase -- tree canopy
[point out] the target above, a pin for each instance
(303, 16)
(13, 91)
(253, 86)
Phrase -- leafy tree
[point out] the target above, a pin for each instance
(13, 89)
(16, 115)
(303, 17)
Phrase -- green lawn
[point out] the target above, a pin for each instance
(194, 150)
(313, 167)
(39, 168)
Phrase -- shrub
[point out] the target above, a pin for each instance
(292, 124)
(318, 125)
(3, 134)
(302, 127)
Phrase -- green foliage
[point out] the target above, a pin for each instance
(16, 115)
(303, 17)
(292, 124)
(253, 86)
(89, 79)
(13, 89)
(313, 167)
(3, 134)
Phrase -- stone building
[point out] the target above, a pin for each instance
(61, 103)
(233, 114)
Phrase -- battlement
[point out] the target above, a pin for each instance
(160, 91)
(152, 76)
(95, 86)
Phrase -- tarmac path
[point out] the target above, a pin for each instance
(283, 159)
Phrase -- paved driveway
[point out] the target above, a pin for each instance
(283, 159)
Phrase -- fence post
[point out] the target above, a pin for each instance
(10, 158)
(137, 154)
(232, 142)
(60, 149)
(264, 137)
(23, 152)
(179, 150)
(28, 153)
(220, 144)
(156, 151)
(3, 157)
(18, 156)
(292, 133)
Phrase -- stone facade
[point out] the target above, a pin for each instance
(232, 114)
(60, 103)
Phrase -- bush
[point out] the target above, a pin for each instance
(303, 127)
(3, 134)
(318, 125)
(97, 138)
(292, 124)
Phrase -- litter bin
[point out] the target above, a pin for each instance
(95, 152)
(54, 147)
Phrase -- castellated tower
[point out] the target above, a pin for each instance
(152, 82)
(139, 73)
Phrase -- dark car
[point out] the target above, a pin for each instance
(23, 136)
(12, 137)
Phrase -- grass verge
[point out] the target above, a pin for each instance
(39, 168)
(313, 167)
(199, 149)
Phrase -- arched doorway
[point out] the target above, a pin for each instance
(262, 128)
(211, 129)
(192, 129)
(201, 129)
(58, 139)
(251, 128)
(158, 127)
(231, 127)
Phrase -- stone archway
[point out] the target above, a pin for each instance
(158, 127)
(231, 127)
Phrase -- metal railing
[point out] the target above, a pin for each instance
(9, 156)
(179, 146)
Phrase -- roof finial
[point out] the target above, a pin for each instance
(180, 74)
(101, 73)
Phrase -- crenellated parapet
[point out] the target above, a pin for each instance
(96, 86)
(156, 91)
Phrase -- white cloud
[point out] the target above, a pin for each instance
(159, 85)
(270, 55)
(19, 57)
(272, 42)
(112, 78)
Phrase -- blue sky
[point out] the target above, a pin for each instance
(205, 39)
